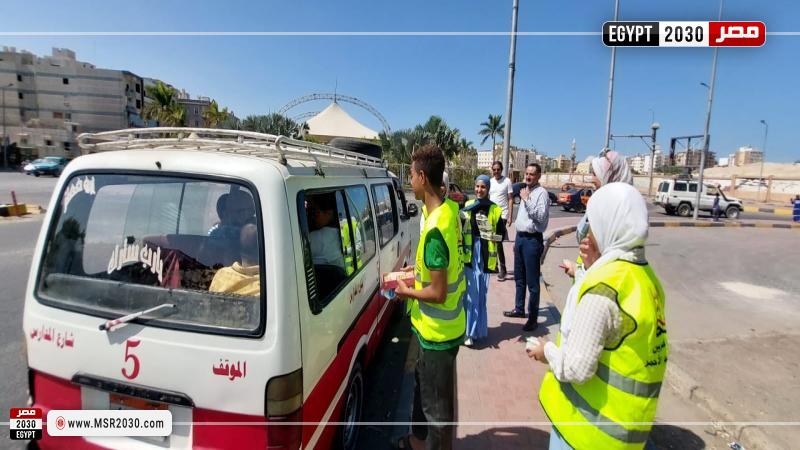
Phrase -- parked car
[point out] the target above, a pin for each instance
(677, 196)
(575, 199)
(51, 165)
(457, 195)
(518, 187)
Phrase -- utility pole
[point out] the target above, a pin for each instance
(763, 157)
(708, 124)
(510, 97)
(654, 126)
(611, 82)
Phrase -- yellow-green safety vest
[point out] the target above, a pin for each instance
(345, 227)
(494, 217)
(616, 407)
(445, 321)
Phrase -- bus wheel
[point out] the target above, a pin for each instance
(353, 408)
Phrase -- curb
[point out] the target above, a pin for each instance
(681, 382)
(26, 209)
(776, 211)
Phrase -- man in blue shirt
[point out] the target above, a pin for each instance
(531, 221)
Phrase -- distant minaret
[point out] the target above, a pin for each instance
(572, 168)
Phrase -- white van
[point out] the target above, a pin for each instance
(677, 196)
(256, 260)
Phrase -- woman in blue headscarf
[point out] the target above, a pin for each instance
(483, 231)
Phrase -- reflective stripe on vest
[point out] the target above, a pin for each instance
(616, 407)
(446, 321)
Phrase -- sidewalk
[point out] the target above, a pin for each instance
(497, 383)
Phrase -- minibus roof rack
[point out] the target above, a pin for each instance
(226, 141)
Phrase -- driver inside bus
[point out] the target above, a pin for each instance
(242, 277)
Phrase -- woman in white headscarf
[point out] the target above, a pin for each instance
(608, 361)
(609, 167)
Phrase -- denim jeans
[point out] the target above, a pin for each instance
(527, 270)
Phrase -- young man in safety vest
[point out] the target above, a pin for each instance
(437, 306)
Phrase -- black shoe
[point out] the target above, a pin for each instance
(514, 313)
(501, 277)
(530, 325)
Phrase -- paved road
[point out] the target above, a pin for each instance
(29, 189)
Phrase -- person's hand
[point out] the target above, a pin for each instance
(569, 267)
(537, 352)
(523, 193)
(407, 269)
(508, 223)
(588, 251)
(402, 290)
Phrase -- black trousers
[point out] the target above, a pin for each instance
(501, 254)
(434, 397)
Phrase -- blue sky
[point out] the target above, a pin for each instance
(561, 81)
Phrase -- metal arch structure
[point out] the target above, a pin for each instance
(336, 97)
(303, 116)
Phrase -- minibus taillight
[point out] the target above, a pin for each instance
(283, 404)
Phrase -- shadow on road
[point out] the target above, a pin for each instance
(505, 437)
(672, 437)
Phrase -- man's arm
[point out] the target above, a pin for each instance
(538, 207)
(436, 292)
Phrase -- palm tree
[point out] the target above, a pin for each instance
(213, 117)
(491, 129)
(164, 108)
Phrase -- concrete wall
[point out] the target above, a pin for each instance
(772, 189)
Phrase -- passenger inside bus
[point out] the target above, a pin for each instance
(326, 241)
(242, 277)
(234, 210)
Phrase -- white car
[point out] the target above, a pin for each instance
(677, 196)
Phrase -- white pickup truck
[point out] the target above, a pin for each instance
(678, 196)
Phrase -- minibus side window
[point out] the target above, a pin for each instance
(386, 211)
(321, 214)
(363, 226)
(680, 186)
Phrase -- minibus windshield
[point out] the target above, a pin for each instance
(120, 244)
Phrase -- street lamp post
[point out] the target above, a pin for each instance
(708, 124)
(611, 82)
(510, 100)
(763, 157)
(3, 143)
(654, 126)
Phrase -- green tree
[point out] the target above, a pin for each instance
(163, 108)
(274, 123)
(213, 116)
(492, 128)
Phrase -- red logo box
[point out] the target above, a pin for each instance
(736, 34)
(26, 413)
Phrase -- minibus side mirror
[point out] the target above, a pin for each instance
(412, 210)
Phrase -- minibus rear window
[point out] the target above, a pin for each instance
(126, 243)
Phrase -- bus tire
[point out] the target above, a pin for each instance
(352, 410)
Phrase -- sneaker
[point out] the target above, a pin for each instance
(501, 277)
(468, 342)
(530, 325)
(514, 313)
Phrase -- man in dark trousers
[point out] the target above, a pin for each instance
(436, 307)
(530, 224)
